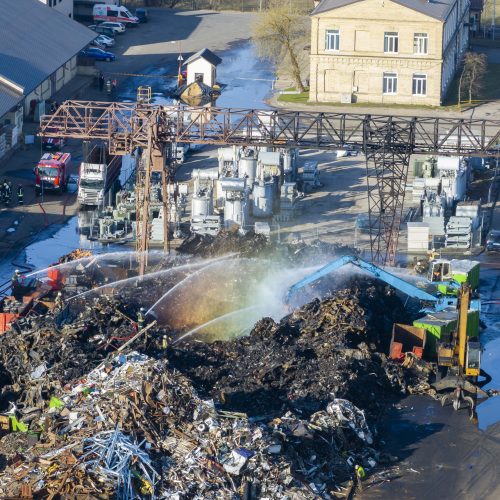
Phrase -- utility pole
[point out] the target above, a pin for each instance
(494, 19)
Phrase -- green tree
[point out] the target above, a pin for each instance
(281, 35)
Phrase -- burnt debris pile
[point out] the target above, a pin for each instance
(323, 350)
(98, 403)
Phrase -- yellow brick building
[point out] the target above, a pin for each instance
(386, 51)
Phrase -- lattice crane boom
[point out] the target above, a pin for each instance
(387, 142)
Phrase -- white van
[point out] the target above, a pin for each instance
(105, 12)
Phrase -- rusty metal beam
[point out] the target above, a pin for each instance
(124, 126)
(387, 141)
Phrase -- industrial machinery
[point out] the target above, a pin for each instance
(437, 303)
(460, 357)
(458, 350)
(387, 142)
(449, 275)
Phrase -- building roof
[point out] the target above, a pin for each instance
(206, 54)
(35, 41)
(437, 9)
(8, 99)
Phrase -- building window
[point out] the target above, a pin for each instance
(332, 40)
(390, 83)
(391, 42)
(420, 43)
(419, 85)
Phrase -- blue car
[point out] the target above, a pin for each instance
(98, 54)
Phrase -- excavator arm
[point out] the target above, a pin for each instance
(389, 278)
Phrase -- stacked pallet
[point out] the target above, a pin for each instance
(459, 232)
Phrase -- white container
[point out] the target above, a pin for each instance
(235, 213)
(201, 206)
(248, 169)
(263, 198)
(418, 236)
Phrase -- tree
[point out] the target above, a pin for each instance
(281, 35)
(474, 67)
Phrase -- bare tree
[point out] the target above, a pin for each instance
(281, 35)
(474, 67)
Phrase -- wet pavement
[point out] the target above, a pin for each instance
(248, 82)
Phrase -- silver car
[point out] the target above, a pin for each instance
(105, 41)
(115, 26)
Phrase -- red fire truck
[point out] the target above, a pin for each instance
(52, 172)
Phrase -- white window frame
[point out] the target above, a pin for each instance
(391, 77)
(420, 40)
(391, 42)
(420, 80)
(332, 35)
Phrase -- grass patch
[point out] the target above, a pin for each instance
(301, 98)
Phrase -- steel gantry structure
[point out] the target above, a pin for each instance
(387, 142)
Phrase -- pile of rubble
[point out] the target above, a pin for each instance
(43, 352)
(332, 348)
(225, 242)
(91, 404)
(136, 428)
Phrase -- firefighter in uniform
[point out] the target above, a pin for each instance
(140, 319)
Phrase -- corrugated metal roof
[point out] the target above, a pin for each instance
(8, 99)
(36, 40)
(437, 9)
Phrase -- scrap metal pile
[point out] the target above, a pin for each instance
(91, 406)
(332, 348)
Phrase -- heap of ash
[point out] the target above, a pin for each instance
(324, 350)
(287, 412)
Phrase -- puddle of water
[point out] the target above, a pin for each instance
(248, 79)
(489, 411)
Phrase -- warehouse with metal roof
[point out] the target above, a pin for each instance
(38, 57)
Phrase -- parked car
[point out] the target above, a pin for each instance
(95, 43)
(98, 54)
(142, 15)
(493, 241)
(117, 27)
(105, 41)
(103, 30)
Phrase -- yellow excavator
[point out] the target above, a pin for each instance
(460, 357)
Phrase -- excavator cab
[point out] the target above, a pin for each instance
(473, 359)
(439, 271)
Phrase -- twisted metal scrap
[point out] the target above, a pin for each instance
(111, 454)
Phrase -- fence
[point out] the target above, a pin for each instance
(241, 5)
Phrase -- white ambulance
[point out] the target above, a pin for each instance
(115, 13)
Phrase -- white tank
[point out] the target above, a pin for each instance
(201, 206)
(236, 212)
(233, 184)
(248, 168)
(210, 174)
(263, 198)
